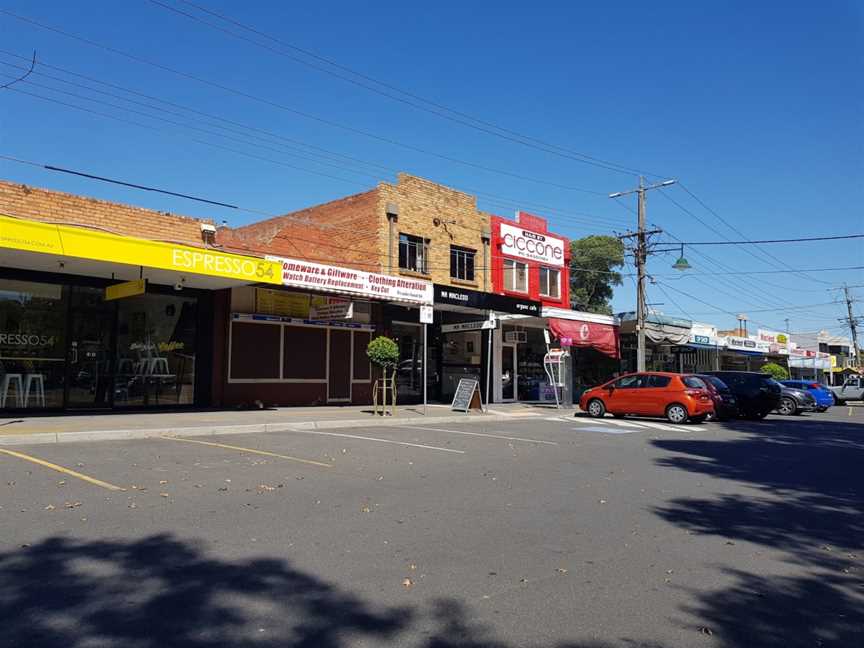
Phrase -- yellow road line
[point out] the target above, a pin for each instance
(61, 469)
(251, 450)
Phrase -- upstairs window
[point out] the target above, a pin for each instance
(462, 263)
(550, 283)
(413, 253)
(515, 276)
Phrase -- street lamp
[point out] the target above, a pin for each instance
(682, 263)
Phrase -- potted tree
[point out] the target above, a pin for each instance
(383, 352)
(776, 371)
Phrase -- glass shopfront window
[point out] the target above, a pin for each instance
(155, 363)
(462, 354)
(32, 344)
(64, 346)
(409, 371)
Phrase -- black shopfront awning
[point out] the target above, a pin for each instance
(464, 298)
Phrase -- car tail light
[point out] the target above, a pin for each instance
(696, 392)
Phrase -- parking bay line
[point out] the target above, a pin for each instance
(249, 450)
(367, 438)
(62, 469)
(479, 434)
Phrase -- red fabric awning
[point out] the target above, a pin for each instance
(577, 333)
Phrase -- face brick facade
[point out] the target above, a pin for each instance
(22, 201)
(363, 231)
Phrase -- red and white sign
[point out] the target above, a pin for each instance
(315, 276)
(525, 244)
(603, 337)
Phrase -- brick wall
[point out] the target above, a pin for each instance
(341, 232)
(23, 201)
(440, 214)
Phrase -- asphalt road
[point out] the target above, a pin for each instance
(553, 532)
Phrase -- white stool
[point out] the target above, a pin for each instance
(8, 380)
(159, 367)
(34, 382)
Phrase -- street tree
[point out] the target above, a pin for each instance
(593, 273)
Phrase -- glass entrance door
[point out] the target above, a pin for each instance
(91, 325)
(509, 375)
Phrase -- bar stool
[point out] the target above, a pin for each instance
(8, 380)
(37, 381)
(159, 366)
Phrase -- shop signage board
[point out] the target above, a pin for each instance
(534, 246)
(451, 296)
(316, 276)
(302, 305)
(126, 289)
(467, 396)
(257, 317)
(747, 344)
(482, 325)
(64, 240)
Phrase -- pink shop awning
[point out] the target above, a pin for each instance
(603, 337)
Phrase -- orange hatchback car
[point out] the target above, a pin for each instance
(677, 397)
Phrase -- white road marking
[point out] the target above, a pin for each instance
(659, 426)
(367, 438)
(603, 430)
(479, 434)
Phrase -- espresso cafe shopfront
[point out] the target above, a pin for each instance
(97, 321)
(304, 343)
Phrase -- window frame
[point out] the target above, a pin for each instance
(465, 257)
(549, 271)
(420, 248)
(514, 273)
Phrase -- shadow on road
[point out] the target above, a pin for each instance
(807, 498)
(161, 592)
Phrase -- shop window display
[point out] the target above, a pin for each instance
(32, 344)
(156, 348)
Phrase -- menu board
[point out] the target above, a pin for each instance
(467, 396)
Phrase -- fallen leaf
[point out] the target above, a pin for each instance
(163, 481)
(163, 494)
(365, 509)
(412, 566)
(50, 507)
(407, 582)
(133, 505)
(706, 631)
(223, 489)
(72, 505)
(62, 482)
(561, 570)
(264, 488)
(523, 580)
(602, 501)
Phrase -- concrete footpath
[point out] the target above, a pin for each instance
(67, 427)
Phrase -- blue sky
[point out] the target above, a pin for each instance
(757, 110)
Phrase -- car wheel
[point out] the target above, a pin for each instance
(596, 408)
(787, 407)
(676, 413)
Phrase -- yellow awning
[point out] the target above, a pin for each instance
(65, 240)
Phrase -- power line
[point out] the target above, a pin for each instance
(413, 99)
(795, 240)
(281, 106)
(304, 155)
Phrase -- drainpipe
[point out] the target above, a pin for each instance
(485, 236)
(392, 219)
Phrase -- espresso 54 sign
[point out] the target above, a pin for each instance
(534, 246)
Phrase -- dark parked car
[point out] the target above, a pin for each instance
(757, 394)
(725, 403)
(795, 401)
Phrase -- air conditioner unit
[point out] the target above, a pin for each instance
(519, 337)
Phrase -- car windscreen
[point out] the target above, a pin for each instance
(693, 382)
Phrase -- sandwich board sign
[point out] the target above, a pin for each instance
(467, 396)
